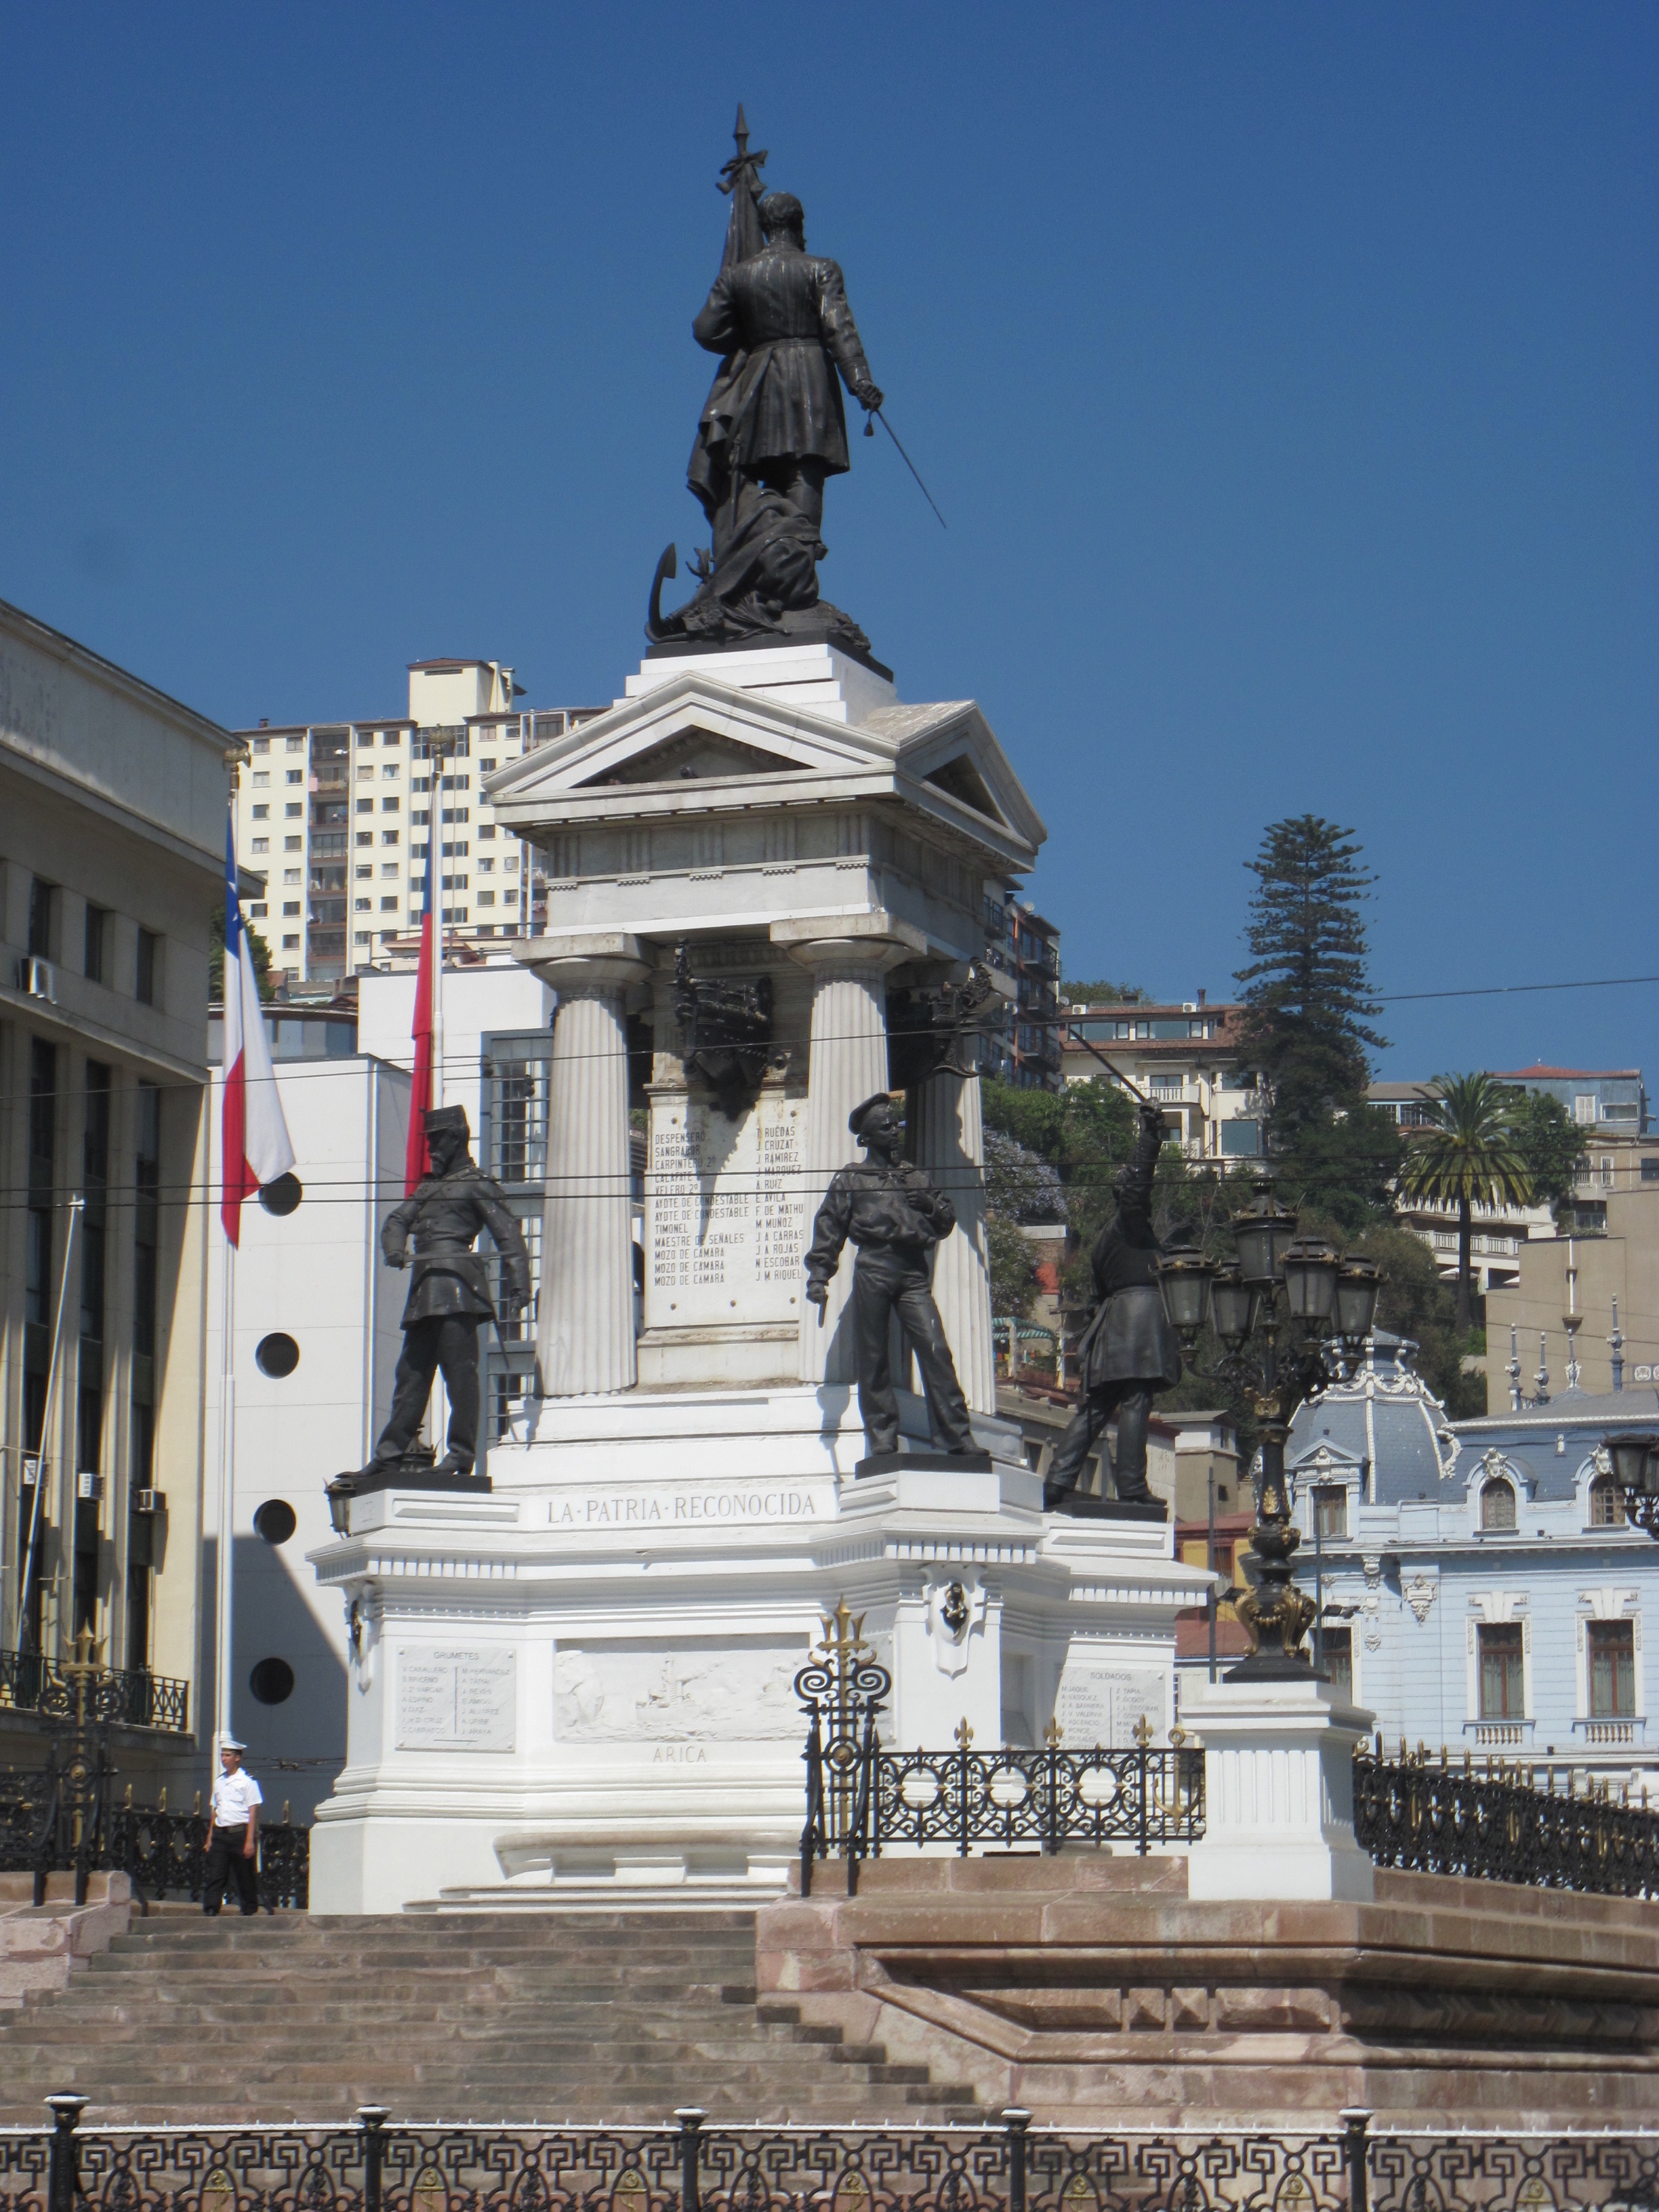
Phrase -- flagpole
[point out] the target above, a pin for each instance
(224, 1622)
(225, 1617)
(440, 1399)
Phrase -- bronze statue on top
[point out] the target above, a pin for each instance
(773, 430)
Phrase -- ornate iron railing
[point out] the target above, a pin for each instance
(1005, 1800)
(29, 1684)
(1005, 2166)
(861, 1799)
(1441, 1818)
(53, 1820)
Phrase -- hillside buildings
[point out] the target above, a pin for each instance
(318, 1319)
(1024, 1047)
(1184, 1056)
(112, 846)
(340, 815)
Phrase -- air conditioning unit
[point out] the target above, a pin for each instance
(37, 979)
(149, 1501)
(90, 1488)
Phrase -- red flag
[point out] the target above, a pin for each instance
(416, 1159)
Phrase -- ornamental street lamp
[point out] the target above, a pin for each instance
(1306, 1292)
(1635, 1458)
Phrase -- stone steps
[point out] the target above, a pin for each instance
(599, 2016)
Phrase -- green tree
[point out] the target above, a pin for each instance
(1013, 1267)
(1085, 1133)
(257, 945)
(1551, 1143)
(1306, 1030)
(1468, 1157)
(1020, 1185)
(1101, 994)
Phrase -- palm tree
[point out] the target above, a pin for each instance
(1468, 1156)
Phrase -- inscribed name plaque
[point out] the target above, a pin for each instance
(450, 1699)
(723, 1210)
(1101, 1707)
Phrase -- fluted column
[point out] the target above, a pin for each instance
(586, 1333)
(846, 1064)
(951, 1148)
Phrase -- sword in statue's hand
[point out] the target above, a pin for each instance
(874, 415)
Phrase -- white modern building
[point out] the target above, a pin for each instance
(340, 815)
(317, 1331)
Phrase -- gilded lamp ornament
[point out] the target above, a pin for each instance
(1280, 1313)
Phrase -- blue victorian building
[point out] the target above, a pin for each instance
(1479, 1587)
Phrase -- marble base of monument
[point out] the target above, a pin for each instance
(1099, 1993)
(1078, 1506)
(919, 1463)
(1278, 1790)
(406, 1475)
(579, 1688)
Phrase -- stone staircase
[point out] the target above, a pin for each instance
(456, 2016)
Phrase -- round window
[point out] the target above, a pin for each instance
(271, 1682)
(277, 1355)
(282, 1195)
(276, 1521)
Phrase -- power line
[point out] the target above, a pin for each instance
(1508, 990)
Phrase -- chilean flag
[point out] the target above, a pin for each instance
(416, 1157)
(256, 1143)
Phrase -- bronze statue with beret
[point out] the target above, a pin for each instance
(449, 1294)
(895, 1215)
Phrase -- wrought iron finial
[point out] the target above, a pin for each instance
(1142, 1732)
(964, 1734)
(1052, 1732)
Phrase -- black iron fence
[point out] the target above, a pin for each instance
(862, 1799)
(1008, 1800)
(29, 1684)
(1005, 2166)
(64, 1820)
(1438, 1818)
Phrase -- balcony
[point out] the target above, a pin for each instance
(40, 1687)
(1500, 1735)
(1610, 1734)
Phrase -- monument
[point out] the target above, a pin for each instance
(767, 879)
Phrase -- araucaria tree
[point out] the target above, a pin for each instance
(1468, 1157)
(1306, 1029)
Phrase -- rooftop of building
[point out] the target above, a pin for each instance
(1542, 1074)
(1382, 1417)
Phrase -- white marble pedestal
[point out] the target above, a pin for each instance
(580, 1689)
(1278, 1791)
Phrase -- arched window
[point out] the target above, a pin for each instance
(1607, 1505)
(1497, 1503)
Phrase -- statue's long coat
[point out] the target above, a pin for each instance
(1130, 1338)
(782, 322)
(444, 1215)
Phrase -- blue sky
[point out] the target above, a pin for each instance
(1285, 374)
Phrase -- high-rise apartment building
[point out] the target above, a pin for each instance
(340, 815)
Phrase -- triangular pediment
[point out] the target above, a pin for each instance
(690, 757)
(694, 744)
(1322, 1457)
(959, 778)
